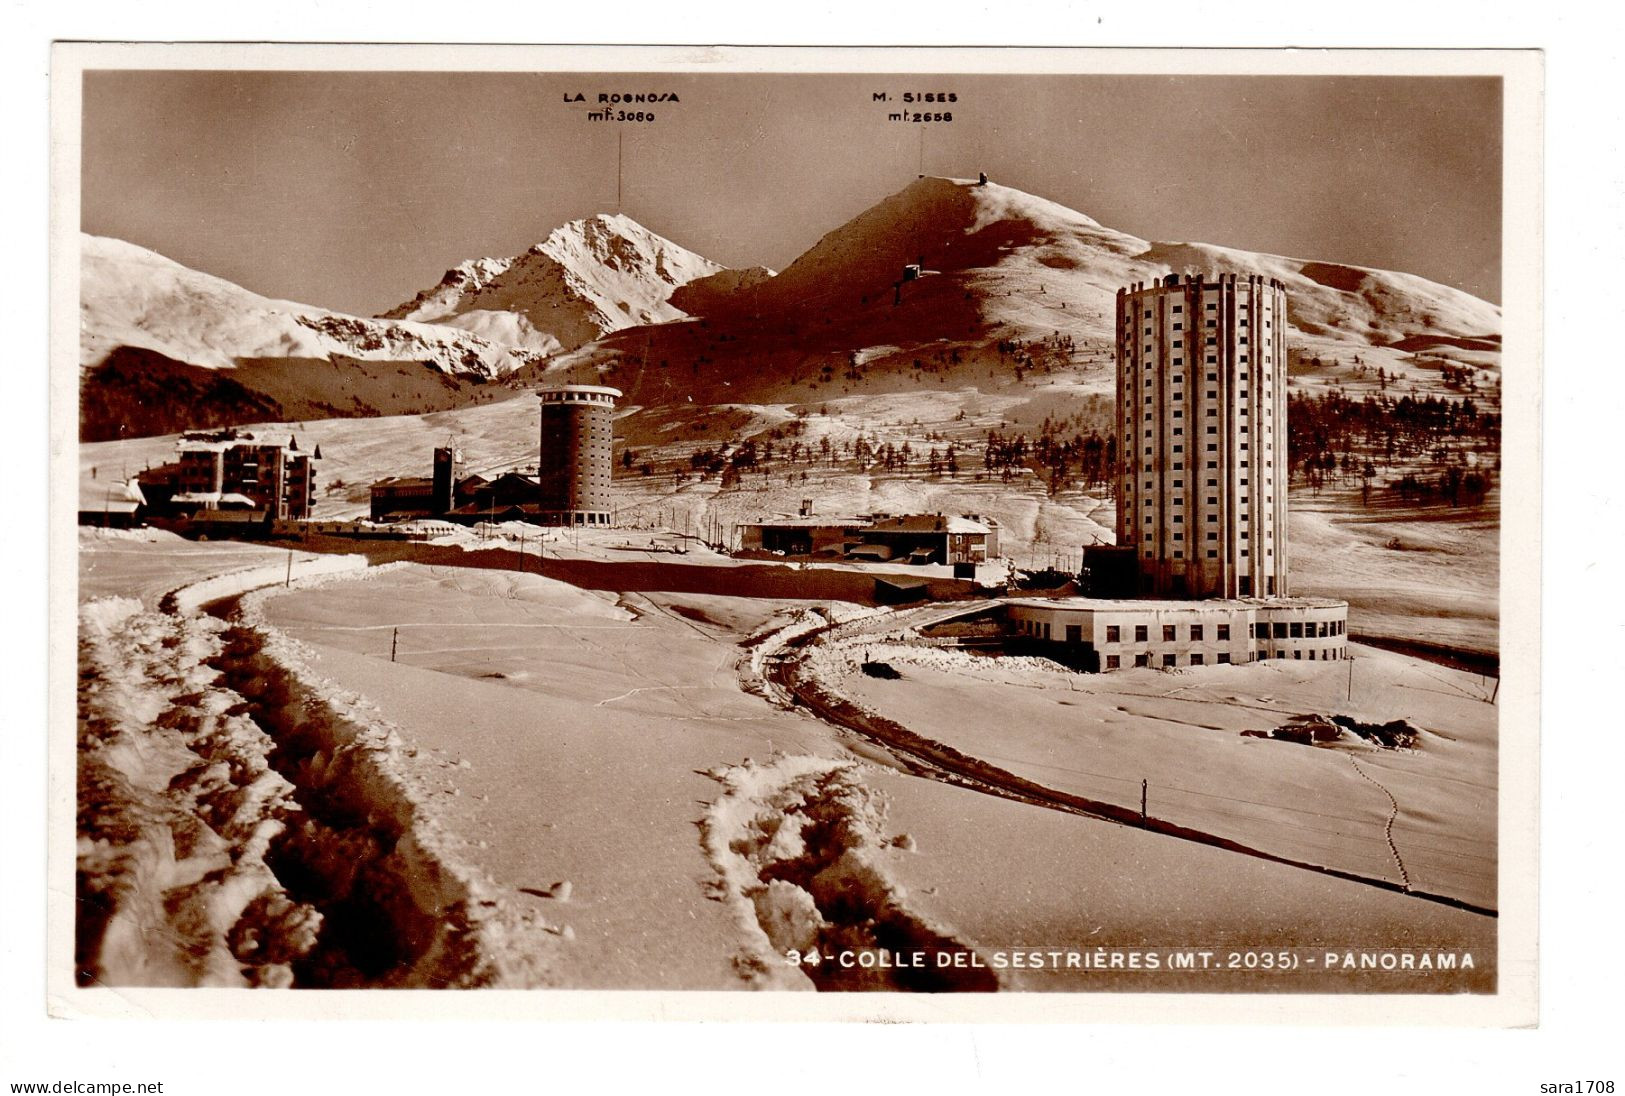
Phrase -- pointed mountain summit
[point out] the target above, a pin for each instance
(1015, 258)
(951, 281)
(589, 278)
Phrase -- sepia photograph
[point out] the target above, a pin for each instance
(1045, 526)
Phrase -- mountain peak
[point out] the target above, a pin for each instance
(589, 277)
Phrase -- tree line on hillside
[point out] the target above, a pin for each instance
(1444, 449)
(1420, 449)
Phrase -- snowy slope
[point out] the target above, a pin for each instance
(997, 267)
(588, 278)
(1352, 303)
(705, 293)
(1020, 258)
(130, 296)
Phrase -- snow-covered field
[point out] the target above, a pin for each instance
(579, 789)
(1100, 735)
(242, 823)
(564, 750)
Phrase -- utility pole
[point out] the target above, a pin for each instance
(394, 635)
(521, 549)
(1143, 788)
(289, 580)
(1351, 679)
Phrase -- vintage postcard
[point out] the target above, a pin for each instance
(805, 533)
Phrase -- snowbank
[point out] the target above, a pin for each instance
(189, 599)
(245, 823)
(796, 843)
(178, 808)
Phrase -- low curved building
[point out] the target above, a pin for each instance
(1095, 634)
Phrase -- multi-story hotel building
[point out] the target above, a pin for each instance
(231, 469)
(1201, 493)
(1201, 409)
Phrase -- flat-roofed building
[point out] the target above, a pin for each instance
(1201, 419)
(878, 538)
(1097, 635)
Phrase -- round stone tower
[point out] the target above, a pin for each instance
(578, 442)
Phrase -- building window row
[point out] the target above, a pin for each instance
(1298, 629)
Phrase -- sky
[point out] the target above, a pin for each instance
(355, 190)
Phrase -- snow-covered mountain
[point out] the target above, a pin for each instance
(1027, 261)
(164, 347)
(996, 266)
(132, 297)
(588, 278)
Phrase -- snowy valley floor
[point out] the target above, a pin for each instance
(606, 801)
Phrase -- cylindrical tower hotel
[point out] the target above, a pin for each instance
(1201, 410)
(578, 441)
